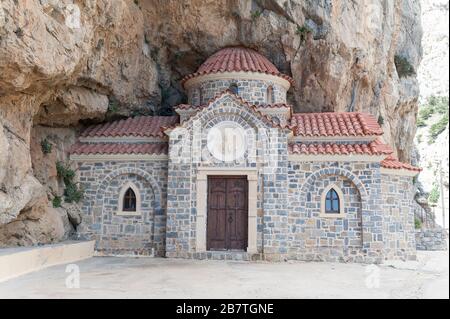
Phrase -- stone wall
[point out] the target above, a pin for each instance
(398, 217)
(102, 181)
(184, 166)
(431, 239)
(357, 236)
(289, 223)
(253, 91)
(377, 221)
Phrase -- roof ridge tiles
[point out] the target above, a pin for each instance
(334, 124)
(237, 59)
(145, 125)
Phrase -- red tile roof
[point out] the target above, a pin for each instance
(274, 105)
(140, 126)
(236, 59)
(189, 107)
(376, 147)
(119, 148)
(392, 162)
(335, 124)
(263, 106)
(337, 149)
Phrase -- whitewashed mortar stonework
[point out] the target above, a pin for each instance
(252, 91)
(356, 237)
(285, 222)
(181, 198)
(114, 234)
(378, 223)
(398, 217)
(431, 239)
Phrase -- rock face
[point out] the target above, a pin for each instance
(67, 63)
(433, 75)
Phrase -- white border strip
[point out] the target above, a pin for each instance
(241, 75)
(399, 172)
(118, 157)
(334, 158)
(334, 138)
(129, 139)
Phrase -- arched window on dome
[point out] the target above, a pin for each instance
(234, 88)
(269, 95)
(200, 96)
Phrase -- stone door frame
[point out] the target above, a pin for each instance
(202, 194)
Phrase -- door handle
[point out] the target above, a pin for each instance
(230, 219)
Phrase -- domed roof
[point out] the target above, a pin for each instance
(237, 59)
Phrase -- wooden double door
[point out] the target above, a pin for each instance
(227, 219)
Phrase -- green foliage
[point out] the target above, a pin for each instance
(434, 105)
(302, 32)
(113, 105)
(439, 103)
(46, 146)
(165, 94)
(139, 112)
(437, 128)
(417, 223)
(72, 193)
(56, 201)
(421, 122)
(65, 172)
(380, 120)
(434, 195)
(404, 68)
(178, 55)
(256, 14)
(419, 138)
(425, 112)
(19, 32)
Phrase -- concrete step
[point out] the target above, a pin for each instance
(18, 261)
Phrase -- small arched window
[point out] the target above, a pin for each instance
(332, 204)
(269, 95)
(234, 88)
(129, 201)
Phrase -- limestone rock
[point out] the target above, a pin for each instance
(36, 225)
(73, 212)
(63, 63)
(71, 105)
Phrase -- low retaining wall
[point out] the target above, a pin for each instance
(22, 260)
(431, 239)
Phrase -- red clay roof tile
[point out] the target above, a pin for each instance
(392, 162)
(119, 148)
(335, 124)
(337, 149)
(263, 106)
(140, 126)
(236, 59)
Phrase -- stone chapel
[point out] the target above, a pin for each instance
(236, 174)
